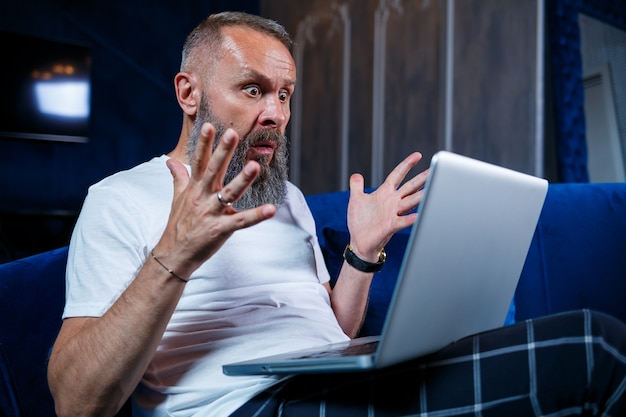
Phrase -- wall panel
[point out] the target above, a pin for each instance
(379, 79)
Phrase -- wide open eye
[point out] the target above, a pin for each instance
(253, 90)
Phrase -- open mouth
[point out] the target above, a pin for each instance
(264, 147)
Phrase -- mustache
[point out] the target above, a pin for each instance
(264, 136)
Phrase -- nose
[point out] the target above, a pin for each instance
(275, 112)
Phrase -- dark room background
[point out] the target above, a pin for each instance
(135, 50)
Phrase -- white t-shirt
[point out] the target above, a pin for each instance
(260, 294)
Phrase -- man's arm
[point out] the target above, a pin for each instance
(96, 363)
(372, 221)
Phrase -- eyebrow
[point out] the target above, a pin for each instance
(253, 74)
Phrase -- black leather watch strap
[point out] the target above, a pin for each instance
(364, 266)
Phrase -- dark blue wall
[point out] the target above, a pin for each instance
(136, 52)
(134, 116)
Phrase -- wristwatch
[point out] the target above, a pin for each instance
(364, 266)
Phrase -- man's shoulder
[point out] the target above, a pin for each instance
(294, 197)
(292, 188)
(148, 172)
(149, 183)
(139, 192)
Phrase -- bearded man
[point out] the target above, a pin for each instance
(168, 282)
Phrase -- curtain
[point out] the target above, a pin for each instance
(567, 82)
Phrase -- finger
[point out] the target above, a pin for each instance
(247, 218)
(415, 184)
(398, 174)
(357, 184)
(411, 192)
(203, 151)
(402, 222)
(219, 161)
(235, 189)
(179, 174)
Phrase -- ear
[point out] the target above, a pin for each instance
(187, 92)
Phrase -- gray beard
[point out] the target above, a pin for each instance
(271, 184)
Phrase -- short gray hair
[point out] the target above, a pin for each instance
(209, 32)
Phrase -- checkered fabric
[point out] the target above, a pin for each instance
(569, 364)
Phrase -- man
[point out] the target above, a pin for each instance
(167, 282)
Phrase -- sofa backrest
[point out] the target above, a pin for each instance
(577, 258)
(32, 295)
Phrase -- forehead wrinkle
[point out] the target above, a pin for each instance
(238, 53)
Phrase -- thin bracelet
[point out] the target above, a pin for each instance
(167, 269)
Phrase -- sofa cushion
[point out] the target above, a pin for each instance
(577, 258)
(8, 398)
(32, 294)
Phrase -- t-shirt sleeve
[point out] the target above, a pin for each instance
(106, 251)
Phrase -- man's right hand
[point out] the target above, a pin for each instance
(199, 223)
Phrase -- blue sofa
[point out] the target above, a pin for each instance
(577, 259)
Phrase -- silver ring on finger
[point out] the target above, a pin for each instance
(223, 202)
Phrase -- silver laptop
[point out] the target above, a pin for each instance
(460, 270)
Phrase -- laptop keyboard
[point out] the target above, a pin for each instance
(356, 349)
